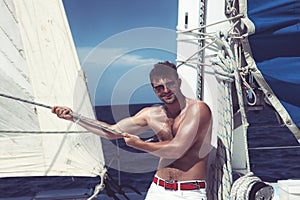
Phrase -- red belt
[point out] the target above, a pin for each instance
(194, 185)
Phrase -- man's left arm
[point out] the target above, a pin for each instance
(196, 121)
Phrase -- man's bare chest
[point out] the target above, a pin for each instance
(165, 127)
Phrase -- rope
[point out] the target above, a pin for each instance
(250, 187)
(274, 148)
(94, 123)
(208, 25)
(226, 65)
(285, 116)
(197, 52)
(100, 186)
(25, 101)
(226, 71)
(35, 132)
(242, 187)
(249, 89)
(220, 174)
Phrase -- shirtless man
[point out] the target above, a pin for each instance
(183, 127)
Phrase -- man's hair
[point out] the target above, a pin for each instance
(162, 70)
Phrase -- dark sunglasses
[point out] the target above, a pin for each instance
(162, 87)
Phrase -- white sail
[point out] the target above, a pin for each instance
(14, 74)
(39, 63)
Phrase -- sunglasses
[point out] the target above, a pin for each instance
(162, 87)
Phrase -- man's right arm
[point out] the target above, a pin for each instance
(133, 125)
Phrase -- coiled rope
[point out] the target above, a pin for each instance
(242, 187)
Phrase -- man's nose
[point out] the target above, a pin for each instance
(166, 89)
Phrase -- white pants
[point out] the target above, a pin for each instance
(157, 192)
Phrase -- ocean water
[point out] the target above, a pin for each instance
(267, 163)
(280, 159)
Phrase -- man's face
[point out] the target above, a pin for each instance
(166, 89)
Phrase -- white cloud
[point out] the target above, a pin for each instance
(106, 56)
(119, 59)
(95, 61)
(135, 60)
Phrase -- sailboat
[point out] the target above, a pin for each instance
(230, 55)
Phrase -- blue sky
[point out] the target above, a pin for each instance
(118, 41)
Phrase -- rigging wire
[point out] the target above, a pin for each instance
(274, 148)
(232, 33)
(78, 117)
(35, 132)
(212, 24)
(103, 175)
(25, 101)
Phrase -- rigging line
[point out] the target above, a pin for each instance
(34, 132)
(267, 126)
(76, 116)
(274, 148)
(205, 34)
(111, 161)
(53, 161)
(202, 35)
(232, 27)
(234, 3)
(95, 123)
(197, 39)
(249, 88)
(197, 52)
(244, 71)
(98, 125)
(118, 161)
(11, 12)
(25, 101)
(212, 24)
(41, 105)
(240, 37)
(194, 62)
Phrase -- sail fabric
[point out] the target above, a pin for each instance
(66, 154)
(39, 63)
(14, 74)
(276, 49)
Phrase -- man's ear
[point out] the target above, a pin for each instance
(152, 87)
(179, 82)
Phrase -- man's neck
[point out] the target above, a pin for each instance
(174, 109)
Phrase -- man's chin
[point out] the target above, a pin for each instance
(169, 101)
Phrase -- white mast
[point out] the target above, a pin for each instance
(198, 20)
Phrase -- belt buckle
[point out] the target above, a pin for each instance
(174, 185)
(200, 184)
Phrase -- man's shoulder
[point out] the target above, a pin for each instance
(151, 109)
(198, 104)
(203, 105)
(200, 107)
